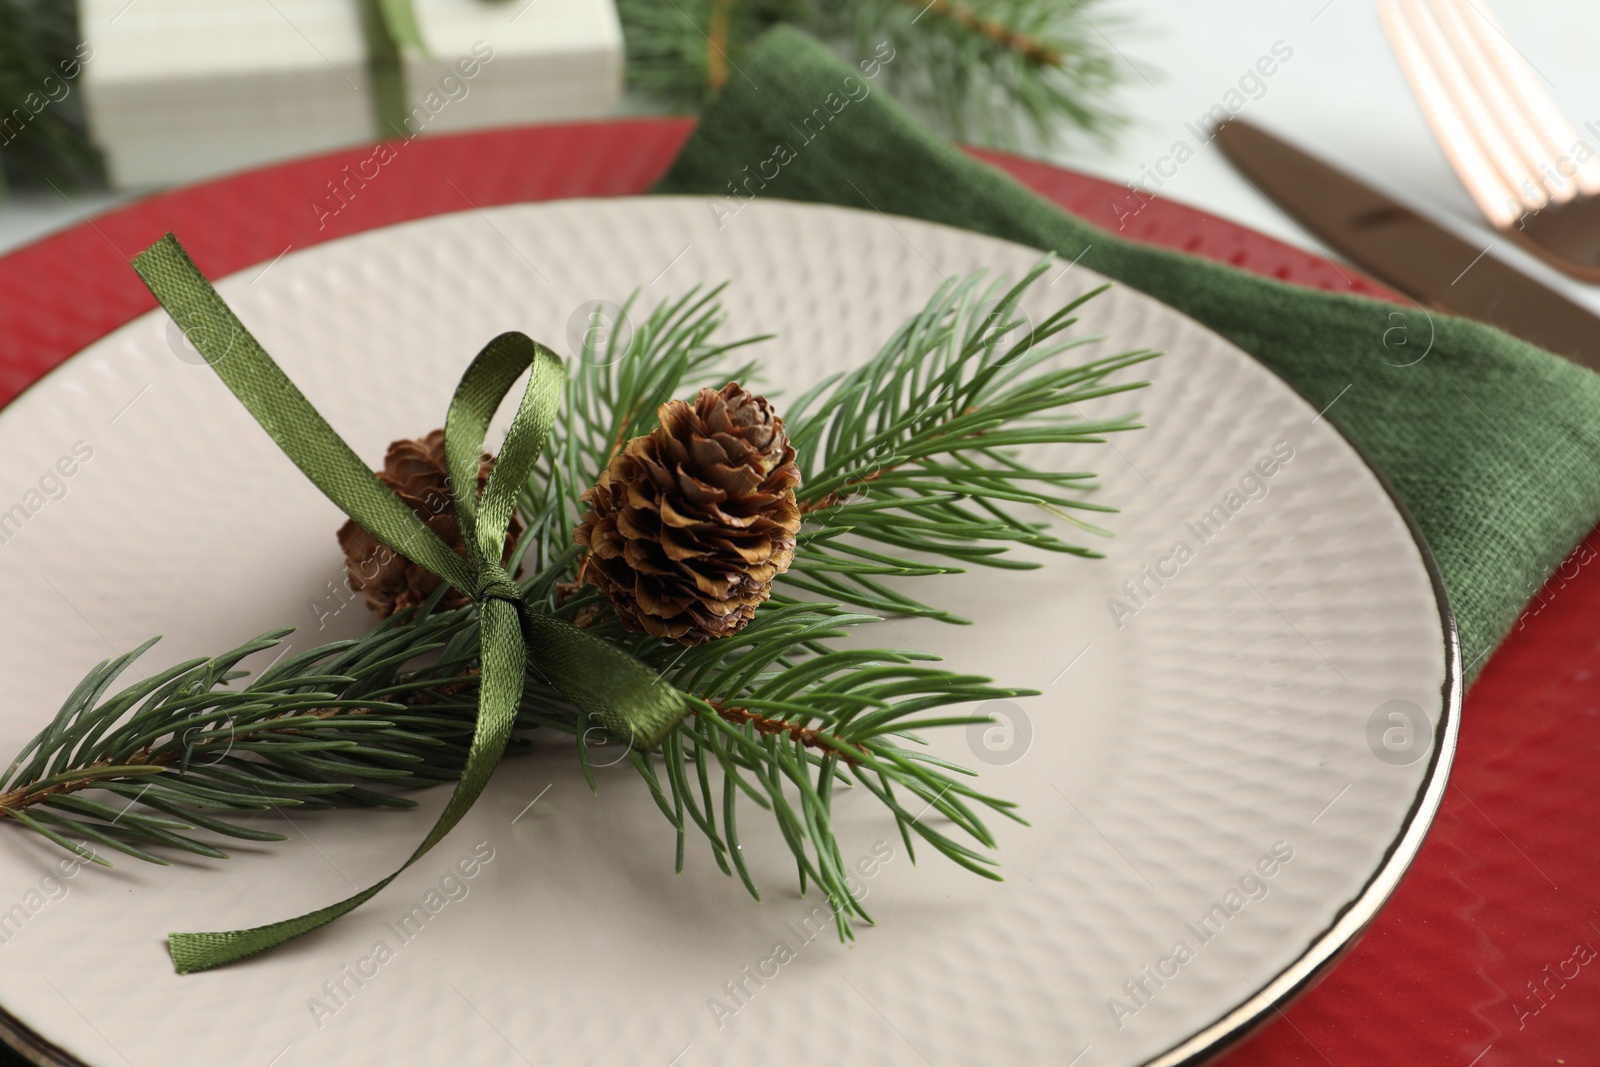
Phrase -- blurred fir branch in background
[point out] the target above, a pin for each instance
(999, 72)
(43, 135)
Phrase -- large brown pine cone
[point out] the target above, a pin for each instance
(415, 470)
(690, 523)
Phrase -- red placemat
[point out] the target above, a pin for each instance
(1489, 953)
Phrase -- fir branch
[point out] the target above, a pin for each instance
(996, 71)
(309, 732)
(1025, 45)
(717, 44)
(912, 450)
(803, 735)
(991, 70)
(915, 450)
(43, 129)
(922, 451)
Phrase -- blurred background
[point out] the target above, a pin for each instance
(106, 100)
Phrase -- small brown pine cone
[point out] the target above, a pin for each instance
(415, 470)
(689, 524)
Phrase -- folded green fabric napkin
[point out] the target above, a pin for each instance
(1493, 444)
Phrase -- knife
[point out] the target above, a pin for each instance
(1406, 251)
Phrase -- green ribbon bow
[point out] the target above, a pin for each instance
(629, 699)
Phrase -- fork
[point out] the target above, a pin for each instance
(1531, 174)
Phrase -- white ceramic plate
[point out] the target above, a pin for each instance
(1283, 699)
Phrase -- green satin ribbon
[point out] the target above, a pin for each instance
(392, 32)
(400, 20)
(385, 71)
(629, 699)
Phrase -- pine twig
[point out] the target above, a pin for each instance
(43, 129)
(717, 44)
(984, 69)
(147, 760)
(912, 465)
(802, 735)
(1025, 45)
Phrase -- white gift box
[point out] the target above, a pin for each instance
(178, 90)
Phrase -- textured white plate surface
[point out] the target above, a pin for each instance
(1225, 717)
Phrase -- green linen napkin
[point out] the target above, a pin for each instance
(1493, 444)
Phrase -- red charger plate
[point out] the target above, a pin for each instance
(1475, 962)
